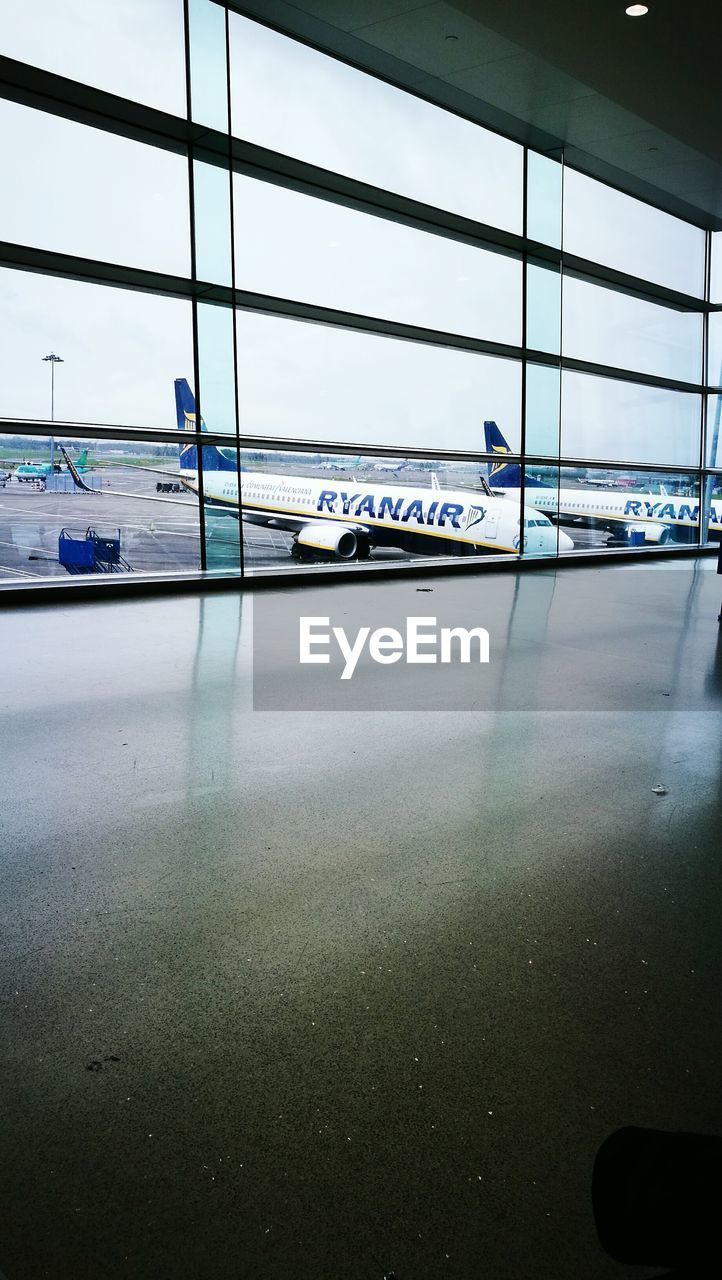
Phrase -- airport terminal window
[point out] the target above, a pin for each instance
(607, 327)
(216, 358)
(405, 509)
(319, 382)
(222, 529)
(713, 452)
(543, 307)
(544, 199)
(293, 100)
(292, 245)
(601, 508)
(76, 506)
(543, 404)
(598, 447)
(121, 351)
(212, 222)
(654, 245)
(208, 67)
(714, 348)
(540, 508)
(715, 291)
(82, 191)
(614, 421)
(712, 489)
(74, 39)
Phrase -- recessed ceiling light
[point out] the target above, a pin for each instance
(636, 10)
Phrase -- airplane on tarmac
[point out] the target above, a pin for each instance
(390, 465)
(27, 471)
(660, 518)
(346, 519)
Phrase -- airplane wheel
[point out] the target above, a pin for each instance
(299, 552)
(363, 551)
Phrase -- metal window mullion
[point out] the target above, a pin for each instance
(194, 300)
(234, 317)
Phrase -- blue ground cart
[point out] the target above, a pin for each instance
(91, 553)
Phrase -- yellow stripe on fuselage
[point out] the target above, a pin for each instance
(314, 516)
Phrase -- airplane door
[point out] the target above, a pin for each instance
(492, 525)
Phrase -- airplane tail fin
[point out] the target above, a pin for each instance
(185, 406)
(213, 459)
(506, 475)
(82, 460)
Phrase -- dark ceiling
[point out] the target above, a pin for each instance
(636, 101)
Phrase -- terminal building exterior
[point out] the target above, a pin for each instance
(348, 968)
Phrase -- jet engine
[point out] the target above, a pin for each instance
(337, 539)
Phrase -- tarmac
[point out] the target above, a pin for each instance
(155, 536)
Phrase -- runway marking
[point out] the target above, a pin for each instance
(20, 546)
(22, 573)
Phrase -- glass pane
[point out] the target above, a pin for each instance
(712, 529)
(714, 360)
(598, 508)
(82, 191)
(294, 246)
(543, 387)
(615, 229)
(544, 199)
(617, 329)
(313, 508)
(714, 432)
(125, 510)
(223, 533)
(715, 292)
(544, 307)
(212, 197)
(98, 44)
(315, 382)
(627, 422)
(539, 541)
(120, 351)
(292, 99)
(216, 360)
(209, 79)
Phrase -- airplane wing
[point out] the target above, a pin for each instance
(156, 471)
(293, 522)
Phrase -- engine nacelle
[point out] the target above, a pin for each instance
(337, 539)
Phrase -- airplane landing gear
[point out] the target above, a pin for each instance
(301, 553)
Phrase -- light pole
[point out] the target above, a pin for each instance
(53, 361)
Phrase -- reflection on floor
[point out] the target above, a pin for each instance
(321, 994)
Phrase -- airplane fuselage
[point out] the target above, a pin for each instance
(654, 515)
(431, 521)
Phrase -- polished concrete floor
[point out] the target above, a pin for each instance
(343, 993)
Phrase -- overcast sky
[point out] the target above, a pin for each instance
(78, 190)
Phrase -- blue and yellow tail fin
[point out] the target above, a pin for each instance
(505, 475)
(213, 459)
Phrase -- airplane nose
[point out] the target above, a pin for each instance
(565, 542)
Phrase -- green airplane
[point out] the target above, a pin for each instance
(39, 470)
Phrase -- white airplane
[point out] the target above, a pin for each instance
(623, 512)
(346, 519)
